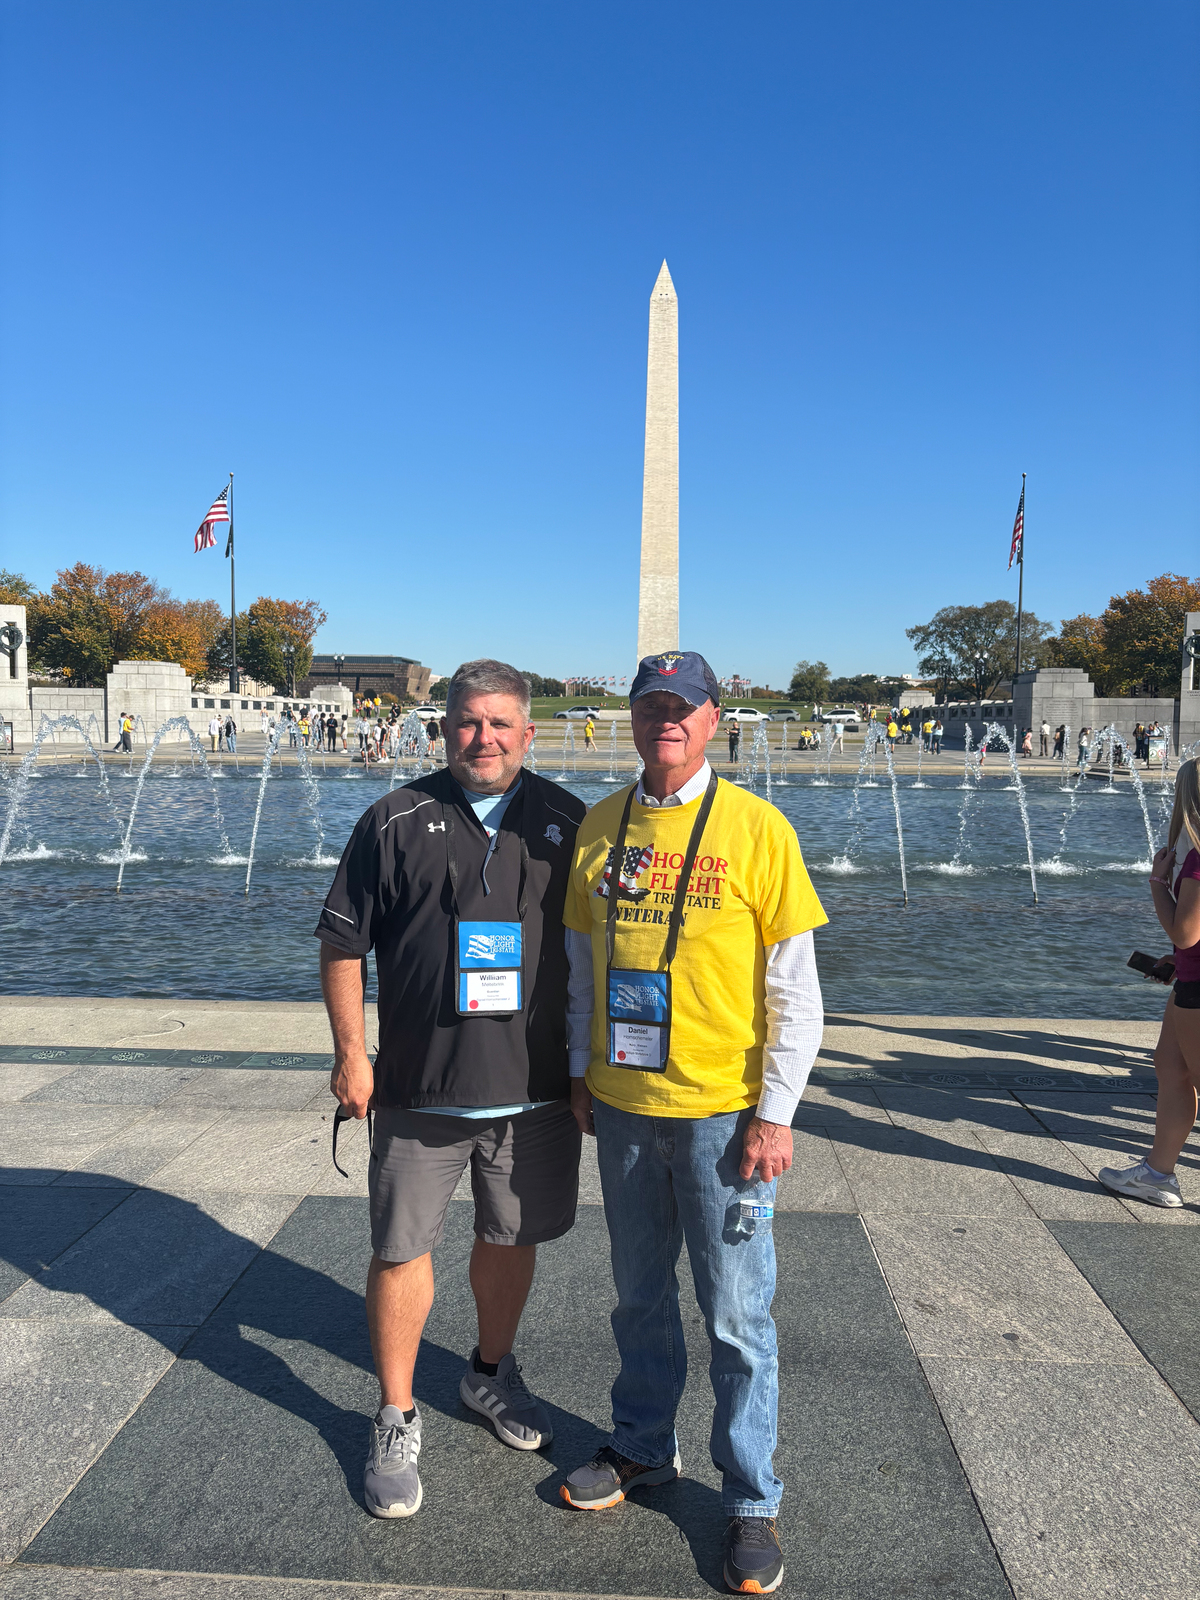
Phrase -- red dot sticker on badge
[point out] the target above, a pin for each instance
(620, 1055)
(472, 1005)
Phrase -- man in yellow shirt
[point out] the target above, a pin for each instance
(695, 1013)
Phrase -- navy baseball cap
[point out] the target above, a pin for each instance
(681, 672)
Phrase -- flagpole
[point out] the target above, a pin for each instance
(233, 669)
(1020, 582)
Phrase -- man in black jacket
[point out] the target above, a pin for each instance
(457, 881)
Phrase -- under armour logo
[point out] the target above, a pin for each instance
(434, 826)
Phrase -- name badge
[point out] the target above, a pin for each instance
(488, 959)
(639, 1019)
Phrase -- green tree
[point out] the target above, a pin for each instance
(544, 688)
(1143, 633)
(964, 635)
(867, 688)
(810, 682)
(274, 643)
(1135, 642)
(15, 588)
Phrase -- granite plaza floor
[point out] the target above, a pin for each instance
(990, 1380)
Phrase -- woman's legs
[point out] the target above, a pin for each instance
(1177, 1063)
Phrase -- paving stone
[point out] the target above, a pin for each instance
(826, 1106)
(116, 1085)
(1000, 1290)
(252, 1152)
(26, 1581)
(136, 1154)
(1051, 1179)
(282, 1368)
(65, 1390)
(1088, 1475)
(240, 1087)
(41, 1142)
(815, 1181)
(1116, 1132)
(38, 1224)
(955, 1113)
(160, 1259)
(899, 1170)
(18, 1081)
(1151, 1283)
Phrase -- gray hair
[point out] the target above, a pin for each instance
(486, 676)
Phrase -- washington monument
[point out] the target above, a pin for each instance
(658, 591)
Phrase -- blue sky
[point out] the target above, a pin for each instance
(391, 264)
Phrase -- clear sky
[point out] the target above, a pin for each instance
(391, 264)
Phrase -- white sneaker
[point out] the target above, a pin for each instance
(1142, 1184)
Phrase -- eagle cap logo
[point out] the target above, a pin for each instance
(669, 664)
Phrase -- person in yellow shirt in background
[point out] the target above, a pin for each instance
(893, 733)
(589, 735)
(693, 1022)
(927, 735)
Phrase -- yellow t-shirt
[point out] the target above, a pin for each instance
(749, 888)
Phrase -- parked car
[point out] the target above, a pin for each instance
(848, 719)
(424, 712)
(785, 714)
(745, 714)
(579, 713)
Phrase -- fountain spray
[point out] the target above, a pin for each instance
(183, 726)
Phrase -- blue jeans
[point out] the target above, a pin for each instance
(667, 1179)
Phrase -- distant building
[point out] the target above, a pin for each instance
(398, 675)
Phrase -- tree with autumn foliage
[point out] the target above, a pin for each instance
(1135, 643)
(274, 643)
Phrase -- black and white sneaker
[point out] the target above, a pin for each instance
(519, 1418)
(753, 1559)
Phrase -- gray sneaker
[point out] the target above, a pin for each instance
(1139, 1183)
(391, 1486)
(518, 1417)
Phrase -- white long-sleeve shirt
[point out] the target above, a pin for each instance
(795, 1011)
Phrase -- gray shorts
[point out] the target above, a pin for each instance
(524, 1177)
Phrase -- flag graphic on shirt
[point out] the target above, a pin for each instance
(206, 539)
(637, 859)
(1017, 553)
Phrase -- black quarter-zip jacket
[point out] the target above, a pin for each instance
(392, 894)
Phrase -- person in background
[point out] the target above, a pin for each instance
(431, 730)
(1060, 736)
(1044, 738)
(735, 740)
(1085, 742)
(893, 733)
(935, 736)
(231, 734)
(927, 735)
(214, 730)
(589, 735)
(1027, 743)
(1177, 1054)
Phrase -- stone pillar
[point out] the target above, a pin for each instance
(152, 690)
(658, 591)
(14, 676)
(1187, 720)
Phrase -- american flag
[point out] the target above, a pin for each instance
(217, 512)
(1017, 553)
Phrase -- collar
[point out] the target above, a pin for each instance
(692, 790)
